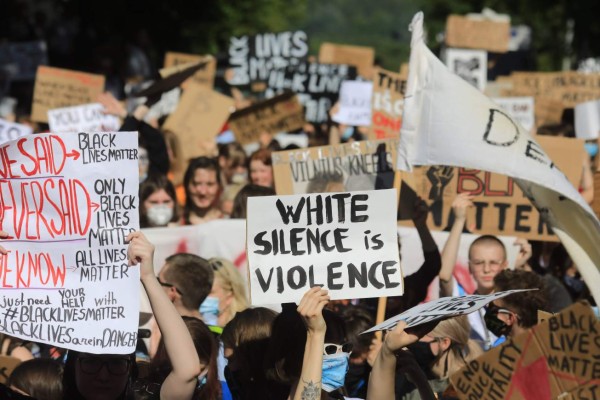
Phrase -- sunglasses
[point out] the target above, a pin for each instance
(331, 348)
(115, 366)
(166, 284)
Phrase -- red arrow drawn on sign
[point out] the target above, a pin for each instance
(95, 206)
(74, 153)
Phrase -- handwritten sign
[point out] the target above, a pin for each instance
(521, 109)
(587, 120)
(344, 241)
(471, 65)
(282, 113)
(364, 165)
(11, 131)
(67, 203)
(317, 86)
(484, 34)
(177, 62)
(388, 99)
(254, 57)
(85, 118)
(58, 88)
(444, 307)
(22, 59)
(361, 57)
(355, 103)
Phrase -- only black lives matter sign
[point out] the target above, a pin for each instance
(344, 242)
(68, 202)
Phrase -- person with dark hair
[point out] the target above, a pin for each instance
(261, 168)
(158, 202)
(358, 320)
(240, 203)
(40, 378)
(202, 191)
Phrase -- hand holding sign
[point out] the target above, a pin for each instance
(311, 309)
(140, 251)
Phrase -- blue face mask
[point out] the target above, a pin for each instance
(348, 133)
(335, 367)
(592, 149)
(209, 309)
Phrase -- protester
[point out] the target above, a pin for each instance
(202, 191)
(40, 378)
(228, 198)
(10, 346)
(158, 203)
(233, 164)
(261, 168)
(240, 203)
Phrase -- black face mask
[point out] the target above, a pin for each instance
(493, 323)
(424, 356)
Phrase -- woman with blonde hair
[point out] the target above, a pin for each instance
(228, 294)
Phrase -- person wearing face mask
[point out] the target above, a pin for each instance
(158, 204)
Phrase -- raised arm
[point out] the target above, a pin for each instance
(182, 381)
(461, 203)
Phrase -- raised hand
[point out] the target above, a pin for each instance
(311, 309)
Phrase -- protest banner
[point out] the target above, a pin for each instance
(85, 118)
(556, 359)
(11, 131)
(67, 204)
(587, 120)
(388, 99)
(198, 118)
(177, 62)
(254, 57)
(355, 104)
(344, 241)
(442, 308)
(364, 165)
(521, 109)
(361, 57)
(21, 60)
(501, 146)
(481, 34)
(281, 113)
(471, 65)
(317, 86)
(58, 88)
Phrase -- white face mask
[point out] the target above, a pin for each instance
(159, 215)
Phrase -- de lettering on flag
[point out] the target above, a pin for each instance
(449, 122)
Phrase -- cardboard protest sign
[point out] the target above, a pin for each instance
(521, 109)
(254, 57)
(471, 65)
(556, 357)
(317, 86)
(587, 120)
(7, 365)
(282, 113)
(21, 60)
(444, 307)
(199, 117)
(475, 133)
(483, 34)
(11, 131)
(177, 62)
(344, 241)
(596, 202)
(361, 57)
(85, 118)
(388, 99)
(68, 202)
(355, 104)
(354, 166)
(58, 88)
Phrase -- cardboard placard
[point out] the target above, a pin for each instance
(556, 357)
(7, 365)
(282, 113)
(317, 86)
(12, 131)
(365, 165)
(177, 62)
(464, 32)
(471, 65)
(388, 98)
(362, 57)
(355, 104)
(58, 88)
(596, 202)
(254, 57)
(22, 59)
(85, 118)
(587, 120)
(65, 279)
(198, 118)
(500, 206)
(344, 241)
(521, 109)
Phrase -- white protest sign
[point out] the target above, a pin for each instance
(444, 307)
(12, 131)
(587, 120)
(67, 202)
(346, 242)
(471, 65)
(166, 105)
(84, 118)
(475, 133)
(521, 109)
(355, 103)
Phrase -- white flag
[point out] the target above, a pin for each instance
(449, 122)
